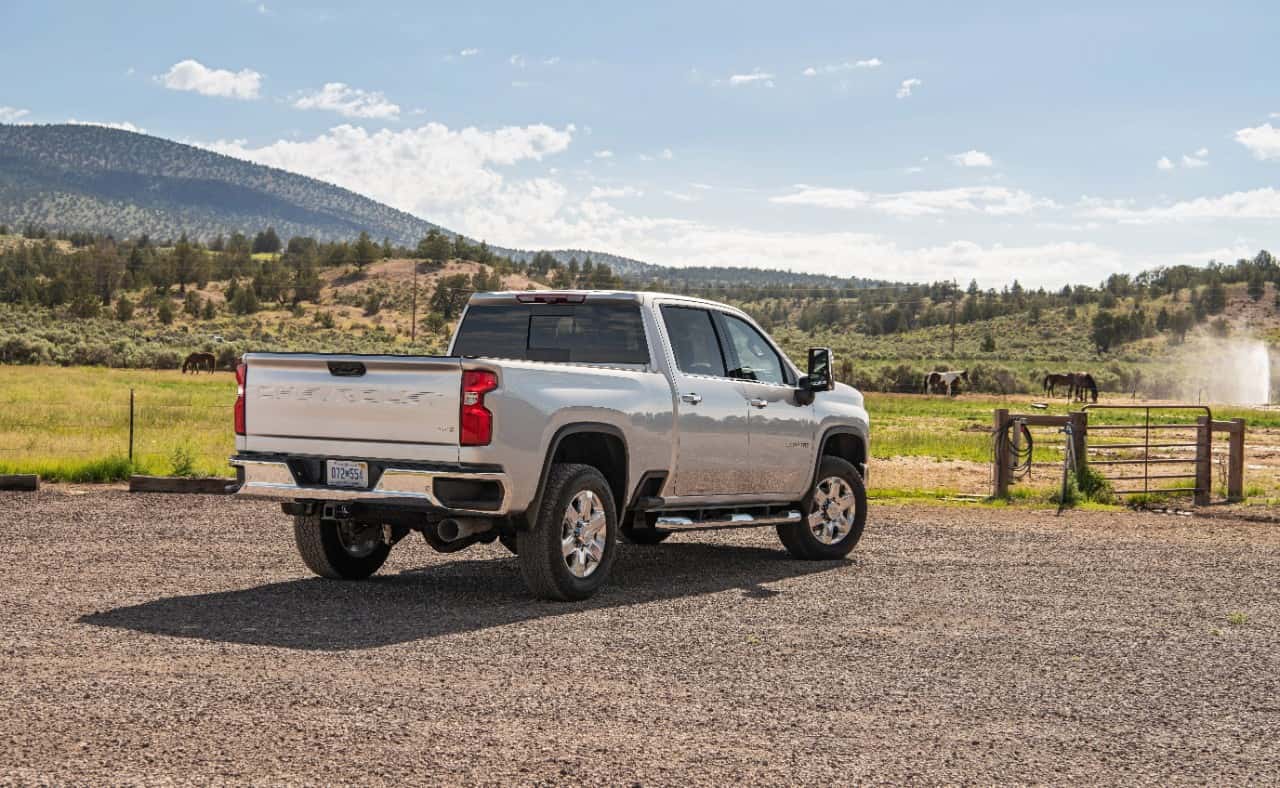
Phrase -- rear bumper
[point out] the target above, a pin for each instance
(273, 478)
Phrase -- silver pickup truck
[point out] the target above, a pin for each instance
(558, 423)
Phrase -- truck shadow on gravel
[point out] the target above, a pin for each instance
(448, 598)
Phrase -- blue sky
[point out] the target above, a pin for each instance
(904, 140)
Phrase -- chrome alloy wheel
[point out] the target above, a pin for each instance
(832, 511)
(582, 533)
(358, 541)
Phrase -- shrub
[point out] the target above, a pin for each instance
(182, 461)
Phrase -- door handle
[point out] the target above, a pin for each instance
(759, 403)
(691, 398)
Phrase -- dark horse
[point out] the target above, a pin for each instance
(1084, 387)
(199, 361)
(1053, 380)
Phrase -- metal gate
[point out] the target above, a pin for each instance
(1142, 451)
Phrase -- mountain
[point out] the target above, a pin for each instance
(81, 178)
(95, 179)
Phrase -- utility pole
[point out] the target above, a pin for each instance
(413, 325)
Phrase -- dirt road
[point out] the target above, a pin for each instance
(179, 639)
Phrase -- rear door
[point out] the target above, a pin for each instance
(397, 407)
(711, 409)
(781, 427)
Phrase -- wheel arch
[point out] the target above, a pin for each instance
(846, 443)
(602, 446)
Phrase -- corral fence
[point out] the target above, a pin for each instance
(1171, 454)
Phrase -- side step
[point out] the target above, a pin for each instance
(732, 521)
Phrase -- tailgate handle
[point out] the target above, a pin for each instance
(346, 369)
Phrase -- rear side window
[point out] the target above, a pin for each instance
(602, 333)
(693, 340)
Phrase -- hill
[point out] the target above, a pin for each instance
(89, 178)
(80, 178)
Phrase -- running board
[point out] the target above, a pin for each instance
(732, 521)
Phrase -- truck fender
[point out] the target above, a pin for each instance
(576, 428)
(833, 432)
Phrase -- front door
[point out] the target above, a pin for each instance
(781, 428)
(711, 409)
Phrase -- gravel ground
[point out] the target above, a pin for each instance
(178, 639)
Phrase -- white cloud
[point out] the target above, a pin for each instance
(1192, 162)
(908, 85)
(848, 65)
(450, 176)
(603, 154)
(520, 84)
(1255, 204)
(756, 77)
(12, 114)
(971, 158)
(550, 61)
(1163, 163)
(666, 154)
(683, 242)
(681, 196)
(348, 102)
(613, 192)
(121, 125)
(1262, 141)
(989, 200)
(194, 76)
(517, 60)
(469, 52)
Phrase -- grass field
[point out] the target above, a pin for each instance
(72, 424)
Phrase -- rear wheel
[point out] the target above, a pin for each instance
(834, 514)
(568, 552)
(339, 550)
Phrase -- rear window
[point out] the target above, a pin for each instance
(602, 333)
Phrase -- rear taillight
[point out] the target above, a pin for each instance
(242, 373)
(476, 420)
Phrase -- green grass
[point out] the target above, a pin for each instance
(72, 423)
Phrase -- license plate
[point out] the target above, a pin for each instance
(347, 473)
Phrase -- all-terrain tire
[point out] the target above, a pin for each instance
(541, 549)
(322, 549)
(802, 540)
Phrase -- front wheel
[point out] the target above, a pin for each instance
(339, 550)
(834, 514)
(568, 552)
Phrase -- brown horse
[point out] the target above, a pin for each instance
(1053, 380)
(1084, 387)
(199, 361)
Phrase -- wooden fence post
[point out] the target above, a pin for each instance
(1204, 461)
(1235, 461)
(1000, 477)
(1079, 442)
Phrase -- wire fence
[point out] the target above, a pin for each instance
(92, 436)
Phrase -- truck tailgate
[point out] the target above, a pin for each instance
(320, 401)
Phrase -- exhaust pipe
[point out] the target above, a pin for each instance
(454, 529)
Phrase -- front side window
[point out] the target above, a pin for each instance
(754, 358)
(693, 340)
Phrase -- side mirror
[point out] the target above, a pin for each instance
(820, 366)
